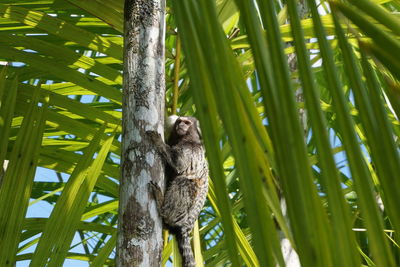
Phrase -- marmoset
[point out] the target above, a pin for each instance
(187, 182)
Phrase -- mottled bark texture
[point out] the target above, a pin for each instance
(140, 227)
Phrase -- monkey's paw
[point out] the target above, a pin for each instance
(153, 187)
(157, 194)
(154, 136)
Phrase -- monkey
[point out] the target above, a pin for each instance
(186, 171)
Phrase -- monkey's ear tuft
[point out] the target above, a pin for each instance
(199, 129)
(169, 124)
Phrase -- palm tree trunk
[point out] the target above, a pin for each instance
(303, 11)
(289, 254)
(140, 228)
(3, 170)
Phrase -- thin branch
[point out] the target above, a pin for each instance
(177, 67)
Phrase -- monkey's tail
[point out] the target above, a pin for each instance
(183, 239)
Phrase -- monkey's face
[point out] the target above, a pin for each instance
(182, 126)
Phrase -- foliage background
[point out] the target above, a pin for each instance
(60, 109)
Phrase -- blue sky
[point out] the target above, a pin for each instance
(43, 209)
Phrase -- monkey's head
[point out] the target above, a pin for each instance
(185, 128)
(183, 124)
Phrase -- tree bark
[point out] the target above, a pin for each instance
(140, 228)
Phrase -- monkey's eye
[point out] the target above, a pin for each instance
(187, 122)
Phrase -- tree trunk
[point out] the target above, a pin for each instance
(140, 227)
(289, 254)
(3, 170)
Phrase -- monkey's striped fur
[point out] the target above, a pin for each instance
(187, 184)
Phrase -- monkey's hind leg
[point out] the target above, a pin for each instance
(158, 196)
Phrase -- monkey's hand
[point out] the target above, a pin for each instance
(157, 194)
(161, 147)
(155, 138)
